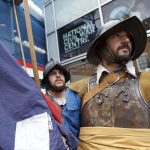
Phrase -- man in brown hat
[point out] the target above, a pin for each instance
(54, 78)
(115, 111)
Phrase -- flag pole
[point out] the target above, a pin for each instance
(19, 35)
(31, 43)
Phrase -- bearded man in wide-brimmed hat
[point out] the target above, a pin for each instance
(54, 80)
(115, 111)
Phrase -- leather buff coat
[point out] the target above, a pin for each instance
(125, 103)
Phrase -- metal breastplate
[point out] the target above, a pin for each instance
(118, 105)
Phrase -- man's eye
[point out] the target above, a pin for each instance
(61, 72)
(53, 73)
(115, 35)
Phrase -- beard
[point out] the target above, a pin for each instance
(57, 88)
(115, 58)
(121, 59)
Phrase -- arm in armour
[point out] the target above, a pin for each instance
(81, 86)
(145, 86)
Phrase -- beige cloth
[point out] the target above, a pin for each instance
(110, 138)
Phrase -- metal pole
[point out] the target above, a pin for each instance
(20, 41)
(31, 43)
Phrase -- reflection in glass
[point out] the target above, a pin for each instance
(116, 9)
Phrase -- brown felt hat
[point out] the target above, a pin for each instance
(50, 66)
(131, 25)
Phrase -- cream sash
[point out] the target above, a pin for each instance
(112, 138)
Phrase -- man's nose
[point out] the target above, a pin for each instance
(125, 38)
(57, 74)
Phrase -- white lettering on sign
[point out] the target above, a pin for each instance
(78, 36)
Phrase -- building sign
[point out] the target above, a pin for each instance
(75, 38)
(78, 36)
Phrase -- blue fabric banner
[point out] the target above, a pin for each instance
(21, 109)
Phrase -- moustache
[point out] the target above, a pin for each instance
(58, 80)
(124, 46)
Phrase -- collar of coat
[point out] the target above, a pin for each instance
(129, 67)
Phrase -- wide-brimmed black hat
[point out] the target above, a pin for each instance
(131, 25)
(50, 66)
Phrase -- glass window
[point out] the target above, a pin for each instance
(52, 51)
(68, 10)
(143, 61)
(103, 2)
(140, 9)
(116, 9)
(49, 19)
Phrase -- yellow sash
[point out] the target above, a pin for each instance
(112, 138)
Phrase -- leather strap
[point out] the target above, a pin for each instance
(108, 80)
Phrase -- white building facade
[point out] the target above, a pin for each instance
(71, 26)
